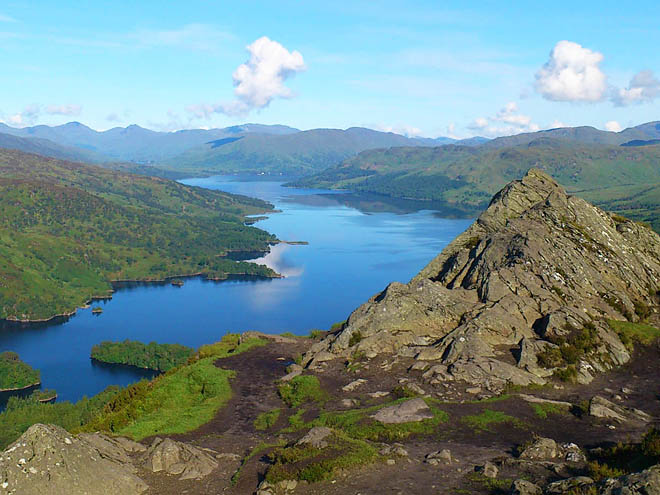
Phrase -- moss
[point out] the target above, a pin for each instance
(631, 333)
(472, 243)
(568, 374)
(544, 410)
(301, 389)
(486, 419)
(356, 338)
(267, 419)
(303, 462)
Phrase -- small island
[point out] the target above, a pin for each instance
(177, 282)
(15, 374)
(97, 310)
(152, 356)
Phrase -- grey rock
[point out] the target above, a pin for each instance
(284, 487)
(646, 482)
(542, 449)
(178, 458)
(316, 437)
(396, 449)
(48, 459)
(489, 470)
(564, 486)
(524, 487)
(440, 457)
(406, 412)
(535, 262)
(354, 384)
(599, 407)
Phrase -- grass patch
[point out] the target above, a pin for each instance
(312, 465)
(485, 420)
(178, 401)
(546, 409)
(358, 424)
(302, 389)
(492, 485)
(267, 419)
(632, 333)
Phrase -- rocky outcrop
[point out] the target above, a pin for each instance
(47, 459)
(646, 482)
(537, 272)
(600, 407)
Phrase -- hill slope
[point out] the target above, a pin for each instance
(68, 229)
(466, 177)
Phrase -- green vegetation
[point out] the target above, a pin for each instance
(180, 400)
(230, 344)
(21, 413)
(546, 409)
(487, 418)
(44, 395)
(159, 357)
(304, 462)
(263, 446)
(15, 374)
(632, 333)
(576, 344)
(67, 230)
(462, 178)
(301, 389)
(267, 419)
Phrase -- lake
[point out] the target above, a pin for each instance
(356, 247)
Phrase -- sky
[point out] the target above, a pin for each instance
(420, 68)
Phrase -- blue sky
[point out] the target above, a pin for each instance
(422, 67)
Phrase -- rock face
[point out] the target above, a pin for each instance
(47, 459)
(600, 407)
(537, 268)
(646, 482)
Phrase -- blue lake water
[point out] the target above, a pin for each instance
(355, 249)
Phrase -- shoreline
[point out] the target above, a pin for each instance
(117, 284)
(18, 389)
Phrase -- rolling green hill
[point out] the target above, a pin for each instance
(622, 179)
(67, 230)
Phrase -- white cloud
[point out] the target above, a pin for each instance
(556, 124)
(404, 130)
(6, 18)
(64, 109)
(258, 81)
(613, 126)
(27, 117)
(507, 121)
(644, 87)
(572, 73)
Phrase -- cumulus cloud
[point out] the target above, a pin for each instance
(403, 129)
(27, 117)
(258, 81)
(69, 109)
(572, 73)
(613, 126)
(507, 121)
(644, 87)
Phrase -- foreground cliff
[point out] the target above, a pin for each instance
(527, 291)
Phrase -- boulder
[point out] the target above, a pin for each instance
(440, 457)
(177, 458)
(284, 487)
(562, 487)
(646, 482)
(599, 407)
(46, 459)
(316, 437)
(524, 487)
(353, 385)
(489, 470)
(541, 449)
(406, 412)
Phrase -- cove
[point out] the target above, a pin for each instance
(357, 245)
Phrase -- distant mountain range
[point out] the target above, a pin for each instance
(251, 148)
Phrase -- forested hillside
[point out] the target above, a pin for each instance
(67, 230)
